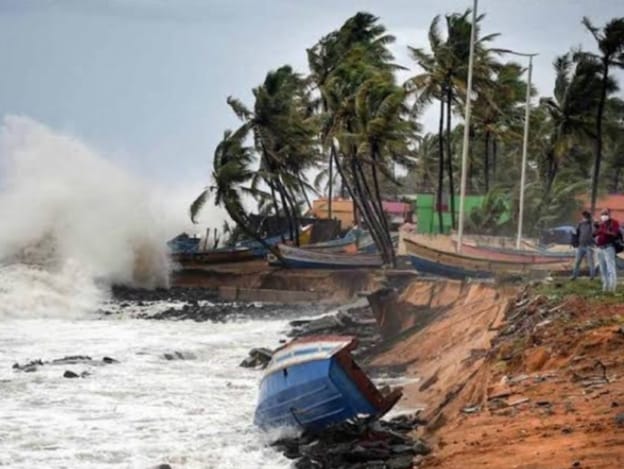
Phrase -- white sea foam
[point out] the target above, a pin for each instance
(141, 412)
(64, 202)
(72, 220)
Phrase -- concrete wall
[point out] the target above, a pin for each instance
(268, 296)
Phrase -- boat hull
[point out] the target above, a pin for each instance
(213, 257)
(309, 259)
(503, 254)
(437, 262)
(314, 384)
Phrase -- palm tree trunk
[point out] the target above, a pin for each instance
(292, 201)
(305, 194)
(486, 161)
(375, 229)
(440, 166)
(287, 213)
(494, 145)
(380, 202)
(243, 224)
(598, 154)
(376, 211)
(449, 156)
(352, 193)
(331, 184)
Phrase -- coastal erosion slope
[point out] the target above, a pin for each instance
(524, 378)
(442, 332)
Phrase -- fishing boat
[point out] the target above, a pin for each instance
(214, 256)
(309, 259)
(348, 243)
(260, 250)
(313, 382)
(435, 261)
(513, 255)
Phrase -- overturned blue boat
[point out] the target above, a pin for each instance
(313, 382)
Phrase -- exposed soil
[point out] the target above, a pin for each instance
(526, 381)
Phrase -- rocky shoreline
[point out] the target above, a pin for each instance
(199, 304)
(351, 445)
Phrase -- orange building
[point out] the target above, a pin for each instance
(614, 202)
(342, 209)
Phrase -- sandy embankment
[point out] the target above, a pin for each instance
(508, 381)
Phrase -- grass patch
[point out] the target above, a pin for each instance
(590, 290)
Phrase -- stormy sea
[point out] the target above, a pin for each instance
(87, 379)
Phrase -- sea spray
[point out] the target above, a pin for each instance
(70, 220)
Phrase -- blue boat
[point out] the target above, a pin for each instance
(312, 383)
(297, 258)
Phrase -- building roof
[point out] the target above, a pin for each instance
(396, 208)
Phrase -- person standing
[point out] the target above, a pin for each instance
(583, 241)
(607, 234)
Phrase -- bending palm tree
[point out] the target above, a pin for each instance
(610, 42)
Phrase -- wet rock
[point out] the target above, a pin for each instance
(401, 462)
(362, 454)
(359, 444)
(420, 447)
(70, 374)
(176, 355)
(71, 360)
(258, 358)
(29, 367)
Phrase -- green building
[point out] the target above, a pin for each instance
(427, 216)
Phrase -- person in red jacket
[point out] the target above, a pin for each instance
(606, 235)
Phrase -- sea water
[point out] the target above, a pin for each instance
(72, 225)
(143, 411)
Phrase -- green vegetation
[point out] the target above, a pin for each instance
(583, 288)
(349, 122)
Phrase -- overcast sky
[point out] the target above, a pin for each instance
(145, 81)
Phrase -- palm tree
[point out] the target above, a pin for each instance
(496, 114)
(569, 111)
(360, 31)
(444, 78)
(610, 43)
(231, 172)
(353, 71)
(284, 134)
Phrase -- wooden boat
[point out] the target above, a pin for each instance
(513, 255)
(307, 259)
(259, 250)
(350, 248)
(430, 260)
(313, 382)
(215, 256)
(348, 243)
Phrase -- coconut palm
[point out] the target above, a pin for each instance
(576, 97)
(444, 77)
(359, 95)
(610, 42)
(360, 31)
(497, 114)
(284, 134)
(232, 172)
